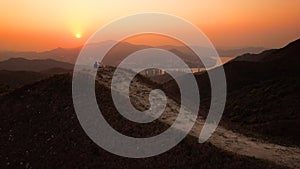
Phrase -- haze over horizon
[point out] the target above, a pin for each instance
(44, 25)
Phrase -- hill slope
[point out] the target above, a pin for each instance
(15, 79)
(18, 78)
(39, 129)
(262, 94)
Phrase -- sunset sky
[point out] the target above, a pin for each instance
(43, 25)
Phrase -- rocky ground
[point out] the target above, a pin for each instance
(39, 129)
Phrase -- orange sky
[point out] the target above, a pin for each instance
(42, 25)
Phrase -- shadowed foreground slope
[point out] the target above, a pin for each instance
(39, 129)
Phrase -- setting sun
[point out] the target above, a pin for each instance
(78, 35)
(228, 24)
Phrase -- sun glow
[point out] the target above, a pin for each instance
(32, 25)
(78, 35)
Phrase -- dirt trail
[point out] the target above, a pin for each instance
(221, 138)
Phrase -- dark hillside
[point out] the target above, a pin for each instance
(39, 129)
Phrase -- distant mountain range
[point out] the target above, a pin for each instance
(21, 64)
(122, 50)
(59, 54)
(240, 51)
